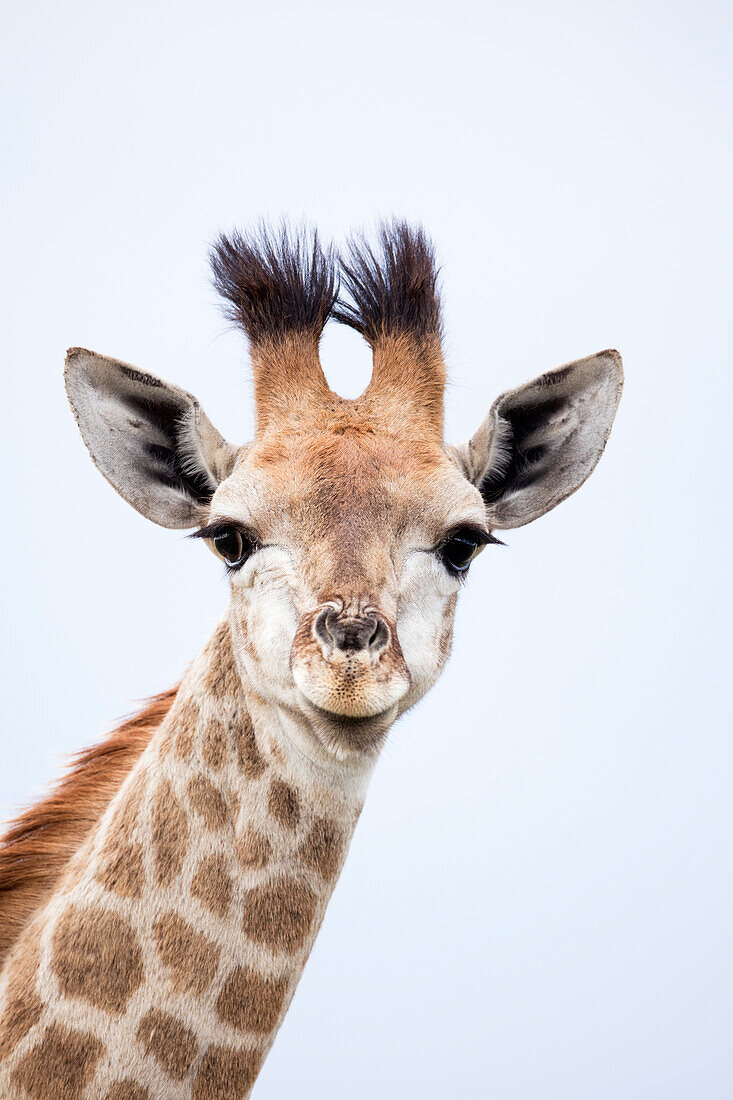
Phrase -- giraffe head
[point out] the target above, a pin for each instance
(346, 526)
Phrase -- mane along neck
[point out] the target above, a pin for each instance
(38, 844)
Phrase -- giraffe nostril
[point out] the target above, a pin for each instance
(380, 636)
(321, 626)
(351, 633)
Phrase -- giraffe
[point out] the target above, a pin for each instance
(160, 953)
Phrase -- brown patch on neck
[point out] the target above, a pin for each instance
(226, 1074)
(279, 915)
(96, 957)
(23, 1004)
(127, 1090)
(250, 1002)
(191, 958)
(38, 845)
(64, 1059)
(169, 1041)
(323, 847)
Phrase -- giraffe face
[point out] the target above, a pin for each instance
(342, 608)
(346, 524)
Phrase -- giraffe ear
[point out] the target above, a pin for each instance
(151, 440)
(541, 441)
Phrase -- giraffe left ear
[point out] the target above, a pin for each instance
(151, 440)
(542, 440)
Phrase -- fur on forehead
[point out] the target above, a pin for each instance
(319, 482)
(282, 286)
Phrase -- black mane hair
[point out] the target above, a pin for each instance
(392, 289)
(275, 281)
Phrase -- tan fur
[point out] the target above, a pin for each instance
(253, 849)
(407, 383)
(169, 833)
(250, 760)
(287, 376)
(208, 802)
(37, 846)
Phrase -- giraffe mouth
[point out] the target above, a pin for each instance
(350, 721)
(364, 733)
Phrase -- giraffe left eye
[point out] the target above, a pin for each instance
(459, 550)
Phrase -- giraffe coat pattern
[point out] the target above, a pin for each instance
(159, 907)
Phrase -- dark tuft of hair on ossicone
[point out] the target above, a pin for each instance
(275, 282)
(392, 288)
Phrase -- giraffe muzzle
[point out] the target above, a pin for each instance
(349, 664)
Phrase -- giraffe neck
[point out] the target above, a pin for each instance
(164, 962)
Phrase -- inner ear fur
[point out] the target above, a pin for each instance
(542, 440)
(151, 440)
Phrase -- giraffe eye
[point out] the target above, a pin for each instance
(461, 547)
(458, 552)
(233, 547)
(233, 544)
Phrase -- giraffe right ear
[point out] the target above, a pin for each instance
(542, 440)
(151, 440)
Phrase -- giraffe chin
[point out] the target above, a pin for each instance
(341, 733)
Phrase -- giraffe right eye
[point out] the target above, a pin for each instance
(233, 546)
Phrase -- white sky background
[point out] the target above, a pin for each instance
(537, 904)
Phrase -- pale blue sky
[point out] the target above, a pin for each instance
(538, 902)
